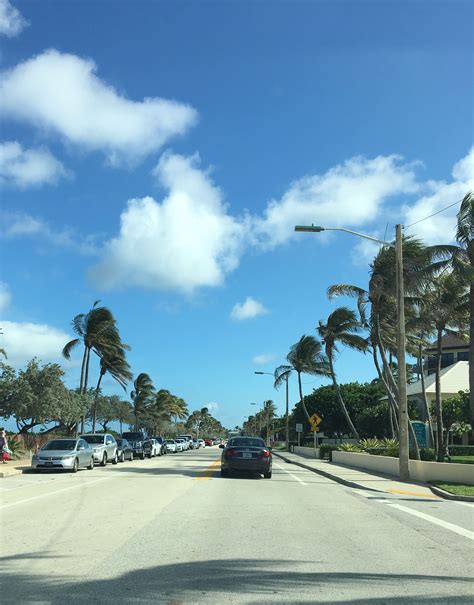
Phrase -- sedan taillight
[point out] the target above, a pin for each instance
(228, 453)
(265, 454)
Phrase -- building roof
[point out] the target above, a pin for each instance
(450, 341)
(454, 378)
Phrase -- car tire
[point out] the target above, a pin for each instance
(103, 462)
(131, 457)
(115, 459)
(122, 457)
(75, 466)
(91, 464)
(267, 475)
(224, 472)
(142, 456)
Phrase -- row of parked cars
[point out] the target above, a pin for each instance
(88, 450)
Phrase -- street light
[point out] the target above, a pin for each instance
(287, 421)
(403, 459)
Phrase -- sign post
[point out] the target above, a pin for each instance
(299, 430)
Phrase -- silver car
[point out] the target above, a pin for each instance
(171, 446)
(104, 447)
(66, 454)
(180, 445)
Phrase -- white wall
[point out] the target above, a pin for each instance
(306, 452)
(419, 470)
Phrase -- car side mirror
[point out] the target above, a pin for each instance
(222, 446)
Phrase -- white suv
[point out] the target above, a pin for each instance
(104, 447)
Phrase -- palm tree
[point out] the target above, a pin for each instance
(142, 395)
(306, 357)
(341, 326)
(282, 375)
(463, 264)
(270, 410)
(97, 331)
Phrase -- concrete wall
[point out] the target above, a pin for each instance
(306, 452)
(419, 470)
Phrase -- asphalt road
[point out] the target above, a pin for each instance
(171, 531)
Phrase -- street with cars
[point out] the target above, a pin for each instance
(171, 530)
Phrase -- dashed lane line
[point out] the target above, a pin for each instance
(291, 474)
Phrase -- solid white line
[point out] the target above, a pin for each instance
(470, 504)
(454, 528)
(291, 474)
(59, 491)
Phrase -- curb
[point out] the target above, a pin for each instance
(10, 472)
(329, 475)
(448, 496)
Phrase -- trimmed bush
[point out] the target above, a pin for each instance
(461, 450)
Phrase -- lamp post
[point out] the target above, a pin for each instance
(403, 459)
(287, 416)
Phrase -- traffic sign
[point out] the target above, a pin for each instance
(299, 428)
(315, 421)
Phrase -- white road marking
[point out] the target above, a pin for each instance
(454, 528)
(58, 491)
(291, 474)
(470, 504)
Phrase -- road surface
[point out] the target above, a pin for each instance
(171, 531)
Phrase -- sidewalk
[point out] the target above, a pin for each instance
(14, 467)
(358, 479)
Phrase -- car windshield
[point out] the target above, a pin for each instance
(60, 444)
(93, 438)
(246, 442)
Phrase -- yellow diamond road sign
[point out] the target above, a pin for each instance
(315, 420)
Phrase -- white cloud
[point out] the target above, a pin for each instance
(441, 228)
(23, 341)
(18, 224)
(365, 250)
(62, 94)
(249, 309)
(5, 296)
(11, 20)
(212, 407)
(264, 358)
(28, 167)
(185, 242)
(349, 194)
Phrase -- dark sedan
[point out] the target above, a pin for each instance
(249, 454)
(124, 450)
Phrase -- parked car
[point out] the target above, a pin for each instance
(152, 447)
(202, 443)
(248, 454)
(124, 450)
(136, 440)
(180, 445)
(104, 446)
(196, 444)
(64, 454)
(162, 443)
(189, 441)
(208, 442)
(171, 446)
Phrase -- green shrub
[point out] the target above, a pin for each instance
(461, 450)
(427, 454)
(367, 444)
(350, 447)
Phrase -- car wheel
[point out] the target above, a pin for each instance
(103, 462)
(75, 466)
(91, 464)
(267, 475)
(122, 457)
(131, 457)
(115, 459)
(142, 455)
(224, 472)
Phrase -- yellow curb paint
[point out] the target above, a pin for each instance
(407, 493)
(209, 471)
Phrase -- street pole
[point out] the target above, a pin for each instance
(403, 454)
(287, 420)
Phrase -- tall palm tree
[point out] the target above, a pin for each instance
(97, 331)
(282, 375)
(306, 357)
(142, 395)
(269, 409)
(343, 327)
(463, 264)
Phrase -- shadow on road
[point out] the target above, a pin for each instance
(252, 582)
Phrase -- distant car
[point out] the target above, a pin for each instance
(124, 450)
(162, 443)
(104, 446)
(64, 454)
(152, 447)
(171, 446)
(180, 445)
(202, 443)
(189, 441)
(208, 442)
(136, 440)
(248, 454)
(196, 444)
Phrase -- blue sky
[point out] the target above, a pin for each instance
(157, 155)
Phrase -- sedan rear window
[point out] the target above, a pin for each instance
(93, 438)
(249, 442)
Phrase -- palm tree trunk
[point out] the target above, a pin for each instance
(84, 386)
(390, 417)
(393, 408)
(340, 399)
(300, 387)
(471, 350)
(439, 409)
(83, 367)
(425, 399)
(287, 419)
(96, 395)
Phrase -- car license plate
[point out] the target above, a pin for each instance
(49, 463)
(246, 454)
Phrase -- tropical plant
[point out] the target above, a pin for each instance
(342, 327)
(142, 396)
(282, 375)
(306, 357)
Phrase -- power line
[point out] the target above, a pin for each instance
(434, 214)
